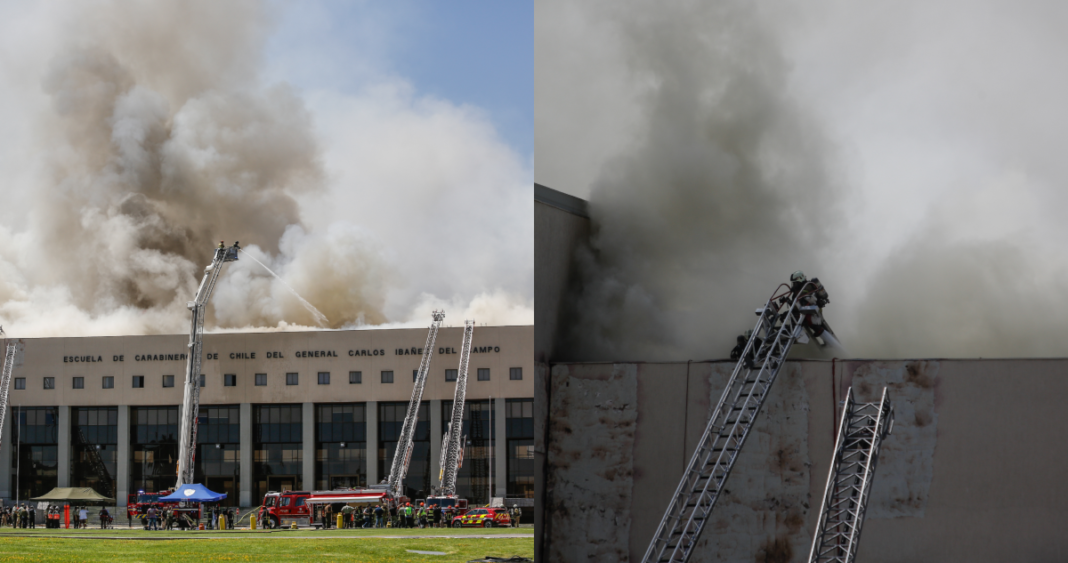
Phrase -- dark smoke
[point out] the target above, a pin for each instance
(907, 155)
(161, 141)
(725, 187)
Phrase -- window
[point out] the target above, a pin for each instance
(324, 378)
(79, 383)
(108, 382)
(291, 379)
(450, 375)
(483, 374)
(49, 383)
(415, 375)
(355, 377)
(20, 383)
(230, 380)
(138, 381)
(203, 380)
(387, 377)
(261, 379)
(515, 374)
(168, 381)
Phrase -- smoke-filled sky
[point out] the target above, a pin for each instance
(909, 154)
(377, 157)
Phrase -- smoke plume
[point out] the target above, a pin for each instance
(856, 143)
(152, 136)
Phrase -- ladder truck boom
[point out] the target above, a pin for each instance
(782, 321)
(863, 428)
(402, 457)
(453, 450)
(187, 441)
(96, 462)
(5, 382)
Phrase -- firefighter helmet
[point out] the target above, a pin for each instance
(797, 276)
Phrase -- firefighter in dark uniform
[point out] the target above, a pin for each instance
(736, 352)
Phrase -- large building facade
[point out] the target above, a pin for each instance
(278, 411)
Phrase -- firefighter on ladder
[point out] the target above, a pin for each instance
(816, 296)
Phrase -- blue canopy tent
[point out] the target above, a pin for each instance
(193, 493)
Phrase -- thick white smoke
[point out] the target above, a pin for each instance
(897, 152)
(142, 134)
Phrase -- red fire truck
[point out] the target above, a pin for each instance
(137, 505)
(281, 509)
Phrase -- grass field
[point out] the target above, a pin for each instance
(306, 545)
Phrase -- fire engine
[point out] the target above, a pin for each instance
(137, 504)
(281, 509)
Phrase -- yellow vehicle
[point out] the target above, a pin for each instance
(483, 518)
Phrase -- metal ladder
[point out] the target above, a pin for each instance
(403, 456)
(452, 452)
(5, 383)
(779, 326)
(94, 460)
(862, 430)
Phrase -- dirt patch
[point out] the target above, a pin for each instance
(795, 521)
(916, 374)
(777, 550)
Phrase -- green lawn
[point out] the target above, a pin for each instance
(237, 546)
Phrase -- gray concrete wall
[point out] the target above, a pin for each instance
(560, 223)
(973, 471)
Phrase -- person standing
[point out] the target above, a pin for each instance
(33, 516)
(152, 525)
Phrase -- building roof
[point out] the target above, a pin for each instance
(560, 200)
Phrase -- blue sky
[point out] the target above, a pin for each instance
(466, 52)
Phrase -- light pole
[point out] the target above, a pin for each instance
(18, 455)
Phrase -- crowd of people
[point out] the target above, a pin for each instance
(166, 518)
(24, 515)
(19, 516)
(406, 516)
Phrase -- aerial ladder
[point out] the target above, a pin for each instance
(452, 450)
(863, 428)
(96, 462)
(403, 456)
(782, 321)
(187, 428)
(5, 381)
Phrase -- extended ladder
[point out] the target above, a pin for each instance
(780, 325)
(862, 430)
(96, 462)
(452, 452)
(5, 383)
(187, 437)
(403, 456)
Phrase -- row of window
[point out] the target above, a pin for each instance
(230, 380)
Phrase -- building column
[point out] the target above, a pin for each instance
(63, 447)
(371, 411)
(500, 448)
(122, 456)
(307, 424)
(6, 486)
(435, 444)
(245, 478)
